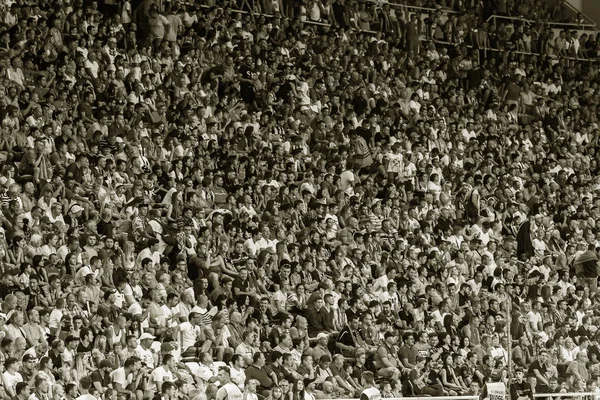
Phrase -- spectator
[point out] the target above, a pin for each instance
(287, 197)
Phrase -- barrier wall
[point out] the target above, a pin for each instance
(553, 396)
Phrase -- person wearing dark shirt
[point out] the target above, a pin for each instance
(75, 170)
(239, 256)
(407, 353)
(315, 319)
(105, 226)
(348, 338)
(283, 276)
(263, 313)
(258, 372)
(276, 366)
(520, 389)
(327, 312)
(107, 309)
(28, 365)
(246, 73)
(419, 378)
(101, 378)
(86, 345)
(241, 284)
(537, 370)
(55, 353)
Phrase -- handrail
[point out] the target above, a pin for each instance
(409, 7)
(443, 43)
(576, 11)
(576, 394)
(591, 27)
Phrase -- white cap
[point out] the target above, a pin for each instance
(146, 335)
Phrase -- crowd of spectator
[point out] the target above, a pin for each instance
(201, 204)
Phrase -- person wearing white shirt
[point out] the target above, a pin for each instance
(476, 282)
(381, 283)
(170, 309)
(11, 377)
(150, 252)
(189, 331)
(85, 383)
(245, 349)
(238, 375)
(439, 314)
(164, 373)
(123, 377)
(56, 316)
(206, 370)
(251, 245)
(228, 389)
(144, 350)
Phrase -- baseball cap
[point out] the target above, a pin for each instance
(146, 335)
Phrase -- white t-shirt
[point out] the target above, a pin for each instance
(146, 356)
(86, 396)
(409, 171)
(160, 374)
(189, 335)
(534, 318)
(10, 381)
(229, 391)
(93, 67)
(55, 318)
(118, 376)
(238, 377)
(395, 162)
(346, 178)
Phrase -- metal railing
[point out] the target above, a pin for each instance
(573, 396)
(424, 12)
(576, 395)
(557, 28)
(575, 11)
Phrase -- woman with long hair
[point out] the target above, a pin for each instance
(276, 394)
(448, 376)
(298, 390)
(100, 349)
(16, 252)
(175, 210)
(465, 346)
(106, 274)
(449, 325)
(45, 370)
(71, 264)
(128, 256)
(220, 265)
(282, 252)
